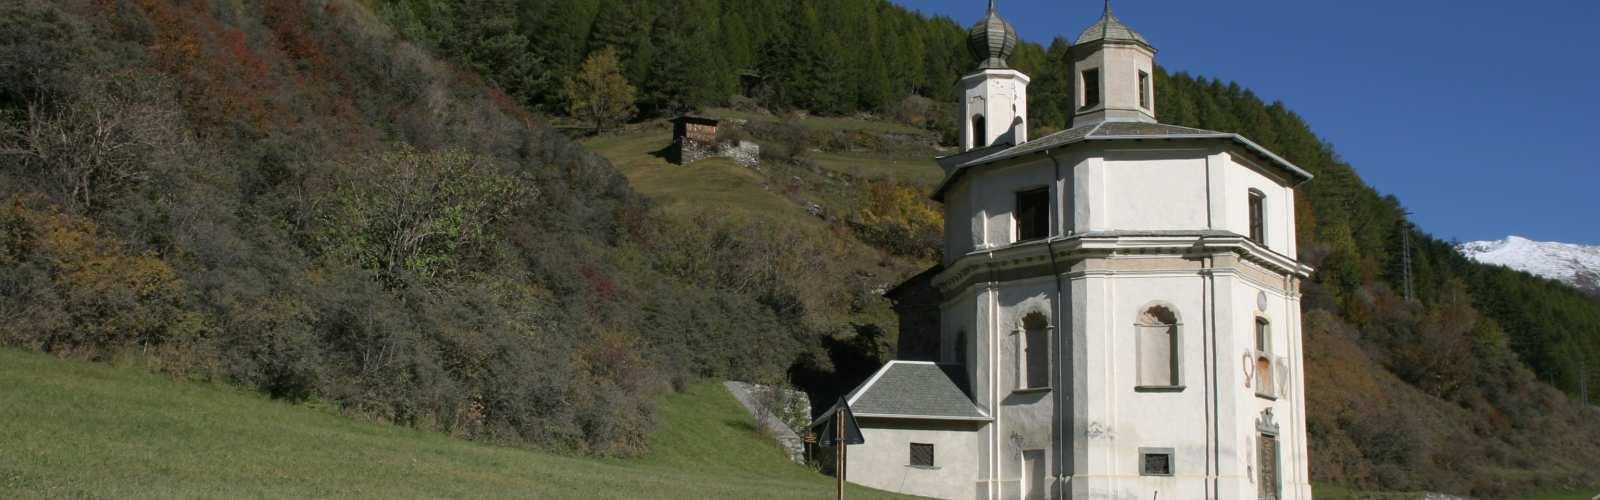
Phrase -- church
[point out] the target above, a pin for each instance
(1117, 312)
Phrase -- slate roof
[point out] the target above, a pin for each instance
(1110, 28)
(956, 165)
(992, 40)
(916, 389)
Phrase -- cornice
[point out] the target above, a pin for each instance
(987, 266)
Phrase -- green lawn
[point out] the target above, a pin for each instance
(70, 429)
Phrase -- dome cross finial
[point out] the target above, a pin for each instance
(991, 5)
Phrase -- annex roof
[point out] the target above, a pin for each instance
(956, 165)
(915, 390)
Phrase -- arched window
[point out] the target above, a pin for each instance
(1258, 217)
(1035, 372)
(1158, 347)
(980, 134)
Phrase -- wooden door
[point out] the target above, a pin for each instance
(1267, 463)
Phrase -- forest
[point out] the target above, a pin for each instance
(685, 55)
(362, 204)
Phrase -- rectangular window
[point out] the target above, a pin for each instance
(1037, 343)
(1258, 217)
(1033, 214)
(1266, 385)
(1155, 461)
(1144, 90)
(1091, 88)
(921, 455)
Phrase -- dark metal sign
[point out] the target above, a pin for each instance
(839, 425)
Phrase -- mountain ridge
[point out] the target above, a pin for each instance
(1571, 263)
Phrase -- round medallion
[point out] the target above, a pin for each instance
(1261, 301)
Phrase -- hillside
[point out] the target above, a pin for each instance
(88, 430)
(359, 205)
(288, 196)
(1576, 265)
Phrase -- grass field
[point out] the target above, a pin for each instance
(70, 429)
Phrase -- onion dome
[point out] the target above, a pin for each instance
(1109, 28)
(992, 40)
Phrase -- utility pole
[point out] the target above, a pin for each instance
(1583, 380)
(1405, 258)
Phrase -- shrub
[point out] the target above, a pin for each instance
(900, 219)
(73, 290)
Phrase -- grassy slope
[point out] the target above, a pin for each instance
(70, 429)
(729, 189)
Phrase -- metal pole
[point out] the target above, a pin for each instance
(1405, 238)
(838, 441)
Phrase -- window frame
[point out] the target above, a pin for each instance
(1174, 349)
(1144, 461)
(980, 131)
(1257, 217)
(1017, 224)
(1266, 382)
(1144, 89)
(1024, 364)
(911, 458)
(1091, 87)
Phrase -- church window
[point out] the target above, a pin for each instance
(980, 135)
(1158, 347)
(1265, 383)
(1091, 88)
(1033, 214)
(1258, 217)
(1036, 352)
(921, 455)
(1155, 461)
(1263, 335)
(1144, 90)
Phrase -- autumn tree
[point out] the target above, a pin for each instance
(599, 93)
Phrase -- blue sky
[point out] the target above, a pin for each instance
(1482, 116)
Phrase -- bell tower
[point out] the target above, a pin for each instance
(994, 100)
(1114, 74)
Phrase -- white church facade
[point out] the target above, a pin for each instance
(1117, 313)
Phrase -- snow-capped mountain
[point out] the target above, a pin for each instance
(1577, 265)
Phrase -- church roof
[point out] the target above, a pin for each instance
(915, 389)
(956, 165)
(992, 40)
(1110, 28)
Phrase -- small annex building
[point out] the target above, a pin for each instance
(1117, 311)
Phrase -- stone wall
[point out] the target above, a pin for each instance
(792, 411)
(744, 152)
